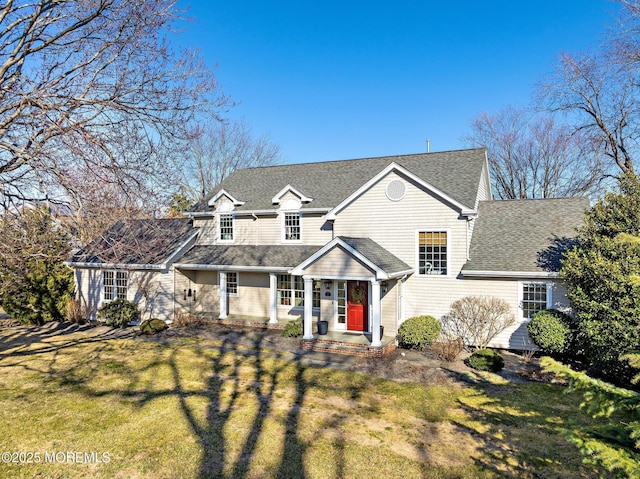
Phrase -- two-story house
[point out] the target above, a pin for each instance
(358, 243)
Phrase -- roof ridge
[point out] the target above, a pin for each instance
(431, 153)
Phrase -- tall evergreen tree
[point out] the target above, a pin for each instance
(601, 274)
(35, 285)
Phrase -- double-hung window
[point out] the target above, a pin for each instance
(232, 283)
(226, 228)
(291, 226)
(432, 253)
(114, 285)
(535, 297)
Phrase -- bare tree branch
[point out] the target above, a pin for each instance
(94, 86)
(533, 156)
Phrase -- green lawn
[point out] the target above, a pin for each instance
(211, 409)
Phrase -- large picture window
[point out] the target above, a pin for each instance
(535, 297)
(432, 252)
(114, 284)
(226, 227)
(290, 291)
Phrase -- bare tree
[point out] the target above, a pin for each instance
(534, 156)
(599, 91)
(94, 86)
(217, 151)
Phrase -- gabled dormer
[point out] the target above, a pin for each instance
(288, 193)
(222, 201)
(290, 200)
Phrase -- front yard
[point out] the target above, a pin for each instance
(93, 404)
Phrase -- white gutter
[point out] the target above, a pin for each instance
(509, 274)
(200, 214)
(214, 267)
(116, 265)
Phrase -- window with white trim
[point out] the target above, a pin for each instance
(291, 226)
(432, 252)
(226, 227)
(290, 291)
(232, 283)
(114, 285)
(535, 297)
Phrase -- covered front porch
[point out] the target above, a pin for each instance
(348, 292)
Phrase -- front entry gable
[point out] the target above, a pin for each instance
(338, 262)
(346, 257)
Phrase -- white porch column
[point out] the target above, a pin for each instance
(377, 313)
(273, 298)
(307, 319)
(223, 295)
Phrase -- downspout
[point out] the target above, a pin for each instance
(174, 293)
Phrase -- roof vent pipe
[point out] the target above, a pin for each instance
(428, 145)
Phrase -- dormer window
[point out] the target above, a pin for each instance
(226, 228)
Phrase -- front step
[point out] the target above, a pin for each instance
(347, 348)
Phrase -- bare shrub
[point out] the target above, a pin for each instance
(448, 349)
(183, 320)
(527, 352)
(76, 312)
(477, 319)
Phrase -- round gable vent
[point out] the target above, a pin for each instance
(396, 190)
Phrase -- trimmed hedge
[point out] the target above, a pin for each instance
(486, 360)
(119, 313)
(152, 326)
(551, 331)
(418, 332)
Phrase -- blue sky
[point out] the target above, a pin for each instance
(332, 80)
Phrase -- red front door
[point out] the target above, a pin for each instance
(357, 306)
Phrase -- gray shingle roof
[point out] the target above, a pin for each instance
(274, 256)
(456, 173)
(128, 242)
(377, 254)
(524, 235)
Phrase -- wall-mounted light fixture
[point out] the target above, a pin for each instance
(384, 286)
(194, 294)
(328, 283)
(185, 294)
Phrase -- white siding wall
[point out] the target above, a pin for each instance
(151, 290)
(266, 230)
(89, 288)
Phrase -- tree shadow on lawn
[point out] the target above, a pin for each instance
(226, 366)
(525, 429)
